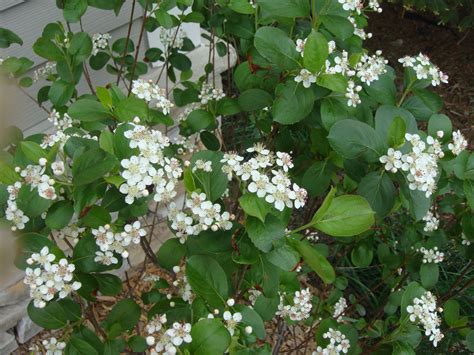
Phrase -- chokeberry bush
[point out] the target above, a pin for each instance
(341, 223)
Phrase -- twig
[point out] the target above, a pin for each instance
(129, 31)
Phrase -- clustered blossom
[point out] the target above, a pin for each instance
(421, 163)
(459, 143)
(431, 255)
(118, 242)
(48, 279)
(432, 222)
(148, 91)
(73, 231)
(150, 167)
(44, 72)
(253, 295)
(266, 176)
(100, 41)
(352, 94)
(209, 93)
(337, 343)
(359, 32)
(424, 69)
(300, 309)
(200, 215)
(166, 341)
(35, 177)
(339, 309)
(424, 312)
(53, 346)
(182, 285)
(205, 166)
(172, 38)
(358, 5)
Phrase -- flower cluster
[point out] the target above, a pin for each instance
(432, 222)
(73, 231)
(337, 343)
(44, 72)
(201, 214)
(100, 41)
(166, 341)
(459, 143)
(48, 279)
(339, 309)
(209, 93)
(431, 255)
(150, 168)
(421, 163)
(148, 91)
(110, 242)
(424, 312)
(424, 69)
(300, 309)
(358, 5)
(172, 38)
(53, 346)
(266, 176)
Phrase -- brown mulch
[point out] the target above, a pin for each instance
(397, 33)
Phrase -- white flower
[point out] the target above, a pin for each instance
(232, 320)
(424, 69)
(432, 222)
(134, 231)
(306, 77)
(209, 93)
(301, 308)
(352, 94)
(44, 72)
(180, 333)
(431, 255)
(106, 258)
(284, 160)
(465, 240)
(260, 185)
(300, 43)
(58, 168)
(44, 258)
(392, 160)
(53, 346)
(459, 143)
(337, 343)
(339, 309)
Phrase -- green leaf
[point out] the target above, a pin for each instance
(252, 318)
(266, 307)
(285, 8)
(400, 348)
(210, 337)
(254, 206)
(61, 92)
(362, 254)
(332, 111)
(340, 26)
(84, 255)
(379, 191)
(52, 316)
(47, 49)
(88, 110)
(125, 314)
(383, 90)
(429, 274)
(353, 139)
(207, 279)
(262, 234)
(92, 165)
(170, 253)
(8, 175)
(470, 340)
(440, 122)
(432, 100)
(32, 151)
(241, 6)
(32, 204)
(254, 100)
(199, 119)
(317, 178)
(78, 346)
(74, 9)
(396, 132)
(275, 45)
(130, 108)
(164, 19)
(316, 261)
(96, 216)
(346, 216)
(333, 82)
(59, 215)
(293, 103)
(209, 140)
(7, 38)
(180, 62)
(80, 47)
(284, 257)
(109, 285)
(316, 51)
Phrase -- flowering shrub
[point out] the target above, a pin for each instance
(268, 239)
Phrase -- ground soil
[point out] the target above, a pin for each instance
(398, 32)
